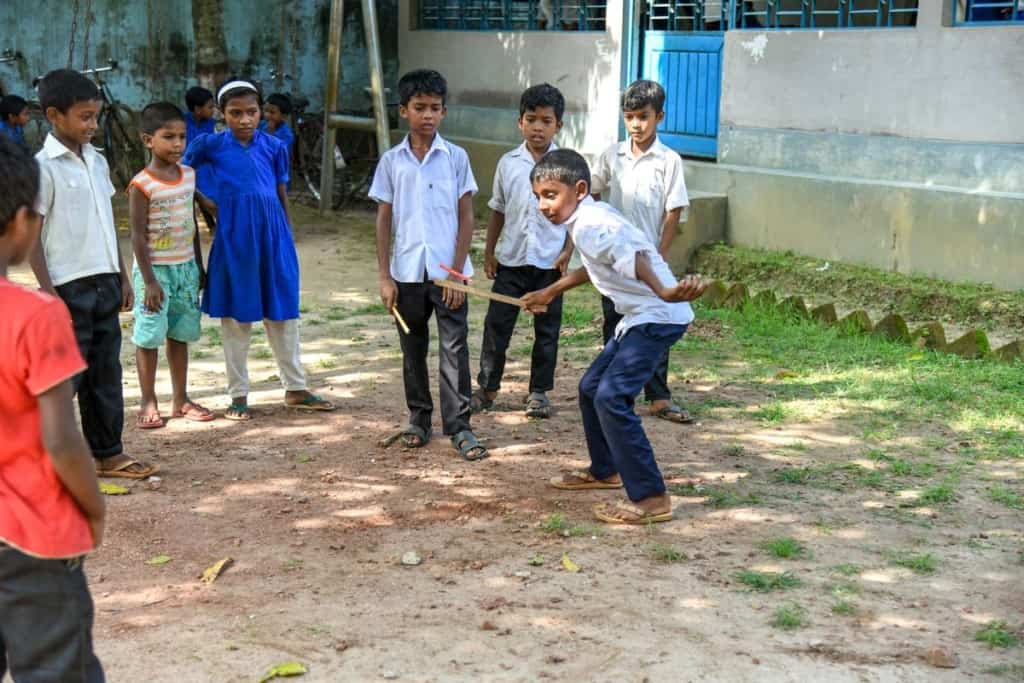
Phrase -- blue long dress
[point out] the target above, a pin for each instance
(253, 270)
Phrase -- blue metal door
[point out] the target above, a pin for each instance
(687, 61)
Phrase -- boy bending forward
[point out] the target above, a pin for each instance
(624, 265)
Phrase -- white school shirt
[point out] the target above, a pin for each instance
(78, 237)
(644, 188)
(607, 245)
(528, 238)
(424, 198)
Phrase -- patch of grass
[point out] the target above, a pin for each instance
(785, 548)
(1011, 499)
(919, 563)
(845, 589)
(554, 523)
(263, 353)
(667, 554)
(734, 450)
(843, 608)
(719, 498)
(1012, 671)
(789, 617)
(794, 475)
(997, 634)
(771, 414)
(846, 569)
(328, 362)
(798, 446)
(765, 582)
(937, 495)
(335, 313)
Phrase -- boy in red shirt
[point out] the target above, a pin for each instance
(51, 510)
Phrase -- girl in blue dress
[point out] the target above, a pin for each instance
(253, 270)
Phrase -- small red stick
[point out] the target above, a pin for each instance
(456, 274)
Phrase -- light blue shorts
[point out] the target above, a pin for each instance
(179, 318)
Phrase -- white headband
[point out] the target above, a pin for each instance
(235, 84)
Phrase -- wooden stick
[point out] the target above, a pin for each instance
(400, 319)
(459, 287)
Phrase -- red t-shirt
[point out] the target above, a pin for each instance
(37, 352)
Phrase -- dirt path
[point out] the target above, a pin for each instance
(317, 517)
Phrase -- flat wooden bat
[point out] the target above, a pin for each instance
(486, 294)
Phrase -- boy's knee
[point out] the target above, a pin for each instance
(608, 399)
(588, 387)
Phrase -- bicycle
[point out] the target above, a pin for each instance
(117, 131)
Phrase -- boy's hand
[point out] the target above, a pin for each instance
(490, 265)
(536, 302)
(687, 289)
(96, 525)
(127, 295)
(562, 262)
(208, 205)
(453, 299)
(154, 300)
(388, 293)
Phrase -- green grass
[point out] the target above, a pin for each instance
(794, 475)
(789, 617)
(1004, 496)
(716, 496)
(919, 563)
(937, 495)
(843, 608)
(997, 634)
(771, 414)
(734, 450)
(554, 523)
(785, 548)
(1012, 671)
(768, 581)
(847, 569)
(667, 554)
(263, 353)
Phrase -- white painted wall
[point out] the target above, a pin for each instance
(489, 70)
(932, 81)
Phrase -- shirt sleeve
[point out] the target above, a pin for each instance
(48, 350)
(382, 189)
(497, 200)
(281, 164)
(675, 184)
(611, 247)
(196, 152)
(601, 173)
(464, 174)
(105, 175)
(45, 200)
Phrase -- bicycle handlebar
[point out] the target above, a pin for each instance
(111, 65)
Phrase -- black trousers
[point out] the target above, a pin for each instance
(416, 302)
(656, 388)
(501, 322)
(94, 303)
(46, 616)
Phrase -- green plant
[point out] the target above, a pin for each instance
(847, 569)
(1003, 495)
(997, 634)
(789, 616)
(785, 548)
(554, 523)
(843, 607)
(767, 581)
(936, 495)
(919, 563)
(771, 414)
(734, 450)
(794, 475)
(667, 554)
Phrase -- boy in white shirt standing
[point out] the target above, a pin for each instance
(643, 179)
(524, 253)
(424, 192)
(78, 259)
(624, 265)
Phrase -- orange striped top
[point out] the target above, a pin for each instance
(171, 223)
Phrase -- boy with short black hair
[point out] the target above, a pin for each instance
(424, 192)
(524, 253)
(168, 271)
(77, 258)
(14, 118)
(643, 179)
(51, 510)
(201, 107)
(624, 265)
(276, 112)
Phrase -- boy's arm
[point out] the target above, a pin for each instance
(197, 247)
(687, 289)
(669, 230)
(70, 454)
(562, 262)
(138, 215)
(494, 228)
(537, 302)
(388, 288)
(37, 259)
(452, 298)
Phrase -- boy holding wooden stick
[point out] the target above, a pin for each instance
(424, 192)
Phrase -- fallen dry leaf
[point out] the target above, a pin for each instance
(159, 559)
(108, 489)
(284, 670)
(211, 573)
(569, 565)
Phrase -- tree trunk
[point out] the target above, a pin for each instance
(211, 48)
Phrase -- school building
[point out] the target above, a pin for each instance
(881, 132)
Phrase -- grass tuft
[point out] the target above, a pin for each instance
(785, 548)
(919, 563)
(765, 582)
(843, 608)
(789, 617)
(667, 554)
(997, 634)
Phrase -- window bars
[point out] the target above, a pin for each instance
(988, 12)
(780, 15)
(512, 15)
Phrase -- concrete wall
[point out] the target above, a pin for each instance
(153, 41)
(488, 71)
(900, 149)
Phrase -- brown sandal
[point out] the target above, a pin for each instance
(132, 469)
(581, 480)
(623, 512)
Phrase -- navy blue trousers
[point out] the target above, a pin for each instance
(608, 390)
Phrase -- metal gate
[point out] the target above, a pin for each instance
(682, 49)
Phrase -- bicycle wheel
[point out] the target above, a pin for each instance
(312, 165)
(307, 159)
(360, 152)
(122, 145)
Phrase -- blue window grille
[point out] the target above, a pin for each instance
(780, 15)
(988, 12)
(512, 15)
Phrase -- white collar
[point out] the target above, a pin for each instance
(439, 143)
(55, 148)
(587, 201)
(523, 151)
(656, 149)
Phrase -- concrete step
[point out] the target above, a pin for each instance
(705, 224)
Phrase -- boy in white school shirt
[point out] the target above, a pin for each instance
(643, 179)
(78, 259)
(524, 253)
(424, 192)
(624, 265)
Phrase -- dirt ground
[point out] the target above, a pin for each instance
(317, 517)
